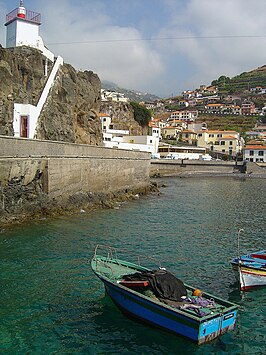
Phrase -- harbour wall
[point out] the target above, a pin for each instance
(43, 177)
(174, 167)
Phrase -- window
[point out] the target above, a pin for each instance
(261, 153)
(200, 135)
(222, 142)
(231, 143)
(251, 159)
(211, 135)
(251, 152)
(150, 140)
(216, 143)
(219, 135)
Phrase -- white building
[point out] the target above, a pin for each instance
(185, 115)
(107, 95)
(255, 153)
(118, 138)
(143, 143)
(22, 29)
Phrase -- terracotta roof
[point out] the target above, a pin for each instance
(170, 127)
(258, 147)
(214, 105)
(214, 130)
(217, 131)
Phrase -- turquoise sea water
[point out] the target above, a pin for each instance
(51, 303)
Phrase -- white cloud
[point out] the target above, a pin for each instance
(131, 64)
(163, 66)
(214, 57)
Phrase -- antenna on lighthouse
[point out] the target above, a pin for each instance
(21, 10)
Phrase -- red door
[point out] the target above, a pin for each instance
(24, 121)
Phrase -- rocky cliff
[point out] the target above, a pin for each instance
(71, 111)
(122, 115)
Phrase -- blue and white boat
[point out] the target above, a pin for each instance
(156, 297)
(250, 269)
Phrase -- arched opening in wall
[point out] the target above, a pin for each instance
(24, 126)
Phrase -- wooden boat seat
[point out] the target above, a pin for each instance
(134, 283)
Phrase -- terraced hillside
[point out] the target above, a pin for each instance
(229, 122)
(241, 83)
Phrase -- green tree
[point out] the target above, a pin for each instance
(141, 114)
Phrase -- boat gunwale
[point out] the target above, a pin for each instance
(245, 264)
(227, 305)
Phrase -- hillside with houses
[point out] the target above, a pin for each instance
(227, 125)
(42, 97)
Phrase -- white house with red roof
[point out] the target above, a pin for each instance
(255, 153)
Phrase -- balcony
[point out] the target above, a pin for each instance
(30, 16)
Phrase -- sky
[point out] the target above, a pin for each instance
(162, 47)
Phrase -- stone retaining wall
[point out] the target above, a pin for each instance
(39, 176)
(193, 167)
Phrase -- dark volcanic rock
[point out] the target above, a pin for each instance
(71, 110)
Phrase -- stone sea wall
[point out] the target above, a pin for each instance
(40, 178)
(194, 167)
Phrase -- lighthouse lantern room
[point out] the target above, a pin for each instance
(22, 27)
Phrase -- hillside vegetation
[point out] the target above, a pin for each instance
(229, 122)
(241, 83)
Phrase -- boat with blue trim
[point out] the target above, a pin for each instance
(250, 269)
(156, 297)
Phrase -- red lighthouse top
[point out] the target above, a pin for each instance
(21, 10)
(23, 14)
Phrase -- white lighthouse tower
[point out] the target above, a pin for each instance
(22, 29)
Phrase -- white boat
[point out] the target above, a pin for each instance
(251, 269)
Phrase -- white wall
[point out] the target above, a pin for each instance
(255, 157)
(25, 110)
(33, 112)
(21, 32)
(24, 33)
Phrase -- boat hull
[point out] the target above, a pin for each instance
(250, 277)
(250, 270)
(170, 320)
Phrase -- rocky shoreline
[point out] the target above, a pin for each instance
(23, 204)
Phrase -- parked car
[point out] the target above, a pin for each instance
(172, 156)
(156, 156)
(206, 157)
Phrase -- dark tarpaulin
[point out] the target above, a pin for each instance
(163, 284)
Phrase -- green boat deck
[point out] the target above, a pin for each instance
(114, 270)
